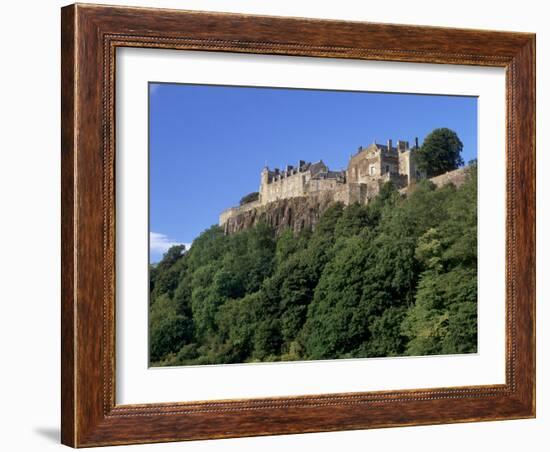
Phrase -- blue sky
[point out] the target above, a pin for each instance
(208, 144)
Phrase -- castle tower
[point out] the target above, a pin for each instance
(407, 166)
(264, 180)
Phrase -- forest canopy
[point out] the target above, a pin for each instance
(395, 277)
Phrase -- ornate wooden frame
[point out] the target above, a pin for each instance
(90, 35)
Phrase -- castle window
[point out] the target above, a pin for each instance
(387, 168)
(372, 170)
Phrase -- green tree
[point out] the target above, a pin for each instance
(291, 290)
(336, 320)
(168, 330)
(439, 153)
(444, 316)
(237, 322)
(254, 196)
(287, 244)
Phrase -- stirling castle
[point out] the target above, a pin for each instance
(296, 196)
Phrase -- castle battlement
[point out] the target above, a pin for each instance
(368, 169)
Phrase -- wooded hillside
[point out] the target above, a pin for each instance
(395, 277)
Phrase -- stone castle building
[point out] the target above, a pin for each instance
(368, 169)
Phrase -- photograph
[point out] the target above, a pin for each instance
(311, 222)
(292, 224)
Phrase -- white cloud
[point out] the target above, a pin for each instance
(160, 243)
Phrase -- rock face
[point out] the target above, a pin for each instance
(296, 213)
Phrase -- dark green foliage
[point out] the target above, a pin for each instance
(444, 317)
(439, 153)
(395, 277)
(337, 317)
(167, 329)
(254, 196)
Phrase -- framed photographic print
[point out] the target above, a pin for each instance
(281, 225)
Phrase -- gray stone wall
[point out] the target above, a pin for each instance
(362, 165)
(235, 211)
(456, 177)
(318, 185)
(284, 187)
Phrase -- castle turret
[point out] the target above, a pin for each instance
(402, 145)
(264, 180)
(407, 164)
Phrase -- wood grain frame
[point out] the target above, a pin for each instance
(90, 35)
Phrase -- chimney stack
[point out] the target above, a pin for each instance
(402, 145)
(416, 142)
(389, 145)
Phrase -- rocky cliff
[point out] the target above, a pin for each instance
(297, 213)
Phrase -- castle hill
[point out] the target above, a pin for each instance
(296, 196)
(362, 243)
